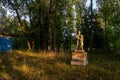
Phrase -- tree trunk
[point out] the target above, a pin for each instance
(55, 27)
(106, 38)
(91, 34)
(24, 31)
(49, 24)
(54, 48)
(70, 41)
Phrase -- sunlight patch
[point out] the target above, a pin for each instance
(4, 76)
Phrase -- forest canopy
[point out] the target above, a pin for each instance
(52, 24)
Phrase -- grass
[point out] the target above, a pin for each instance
(23, 65)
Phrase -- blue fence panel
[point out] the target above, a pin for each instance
(5, 44)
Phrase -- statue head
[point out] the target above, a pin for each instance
(78, 32)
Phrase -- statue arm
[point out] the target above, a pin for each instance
(78, 37)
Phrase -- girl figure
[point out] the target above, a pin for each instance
(79, 38)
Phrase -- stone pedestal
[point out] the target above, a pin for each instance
(79, 57)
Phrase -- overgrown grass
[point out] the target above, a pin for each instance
(23, 65)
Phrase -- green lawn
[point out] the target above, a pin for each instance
(21, 65)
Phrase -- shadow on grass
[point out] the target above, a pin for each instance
(21, 65)
(111, 56)
(7, 70)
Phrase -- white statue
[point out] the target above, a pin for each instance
(80, 39)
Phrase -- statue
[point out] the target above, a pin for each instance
(79, 56)
(80, 39)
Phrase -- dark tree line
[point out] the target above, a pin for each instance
(49, 24)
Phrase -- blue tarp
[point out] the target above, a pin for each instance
(5, 44)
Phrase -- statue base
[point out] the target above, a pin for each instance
(79, 57)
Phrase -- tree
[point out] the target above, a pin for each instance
(28, 9)
(2, 17)
(108, 10)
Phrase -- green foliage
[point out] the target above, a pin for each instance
(110, 8)
(117, 44)
(2, 12)
(3, 17)
(51, 23)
